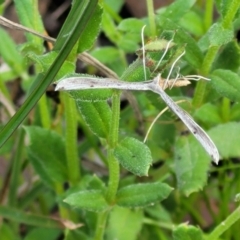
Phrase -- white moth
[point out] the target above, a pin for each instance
(156, 85)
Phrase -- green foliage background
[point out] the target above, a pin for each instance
(166, 188)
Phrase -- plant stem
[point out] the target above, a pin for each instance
(101, 222)
(64, 213)
(208, 16)
(232, 10)
(164, 225)
(113, 140)
(64, 46)
(201, 85)
(212, 51)
(16, 169)
(225, 109)
(45, 116)
(151, 17)
(113, 164)
(71, 139)
(225, 225)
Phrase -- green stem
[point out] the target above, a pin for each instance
(71, 139)
(4, 90)
(16, 169)
(208, 16)
(164, 225)
(79, 19)
(45, 116)
(113, 140)
(151, 17)
(201, 85)
(232, 10)
(90, 139)
(113, 164)
(226, 109)
(225, 225)
(101, 222)
(62, 210)
(208, 60)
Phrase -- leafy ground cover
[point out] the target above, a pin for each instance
(77, 165)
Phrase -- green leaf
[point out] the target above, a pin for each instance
(159, 213)
(134, 155)
(129, 220)
(223, 7)
(65, 44)
(134, 72)
(97, 116)
(219, 36)
(29, 17)
(43, 233)
(131, 25)
(7, 232)
(229, 57)
(235, 112)
(84, 10)
(88, 182)
(114, 5)
(46, 151)
(9, 53)
(110, 28)
(156, 46)
(141, 195)
(112, 57)
(90, 95)
(30, 219)
(88, 200)
(91, 31)
(193, 23)
(176, 10)
(185, 232)
(226, 83)
(193, 54)
(129, 42)
(226, 139)
(191, 164)
(45, 61)
(209, 114)
(76, 234)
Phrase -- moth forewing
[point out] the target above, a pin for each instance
(194, 128)
(81, 83)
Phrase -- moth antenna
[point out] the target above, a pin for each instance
(171, 69)
(143, 53)
(156, 118)
(195, 77)
(176, 78)
(165, 52)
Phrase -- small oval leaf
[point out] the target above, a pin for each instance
(219, 36)
(140, 195)
(97, 116)
(226, 138)
(91, 30)
(191, 164)
(134, 155)
(46, 152)
(131, 220)
(226, 83)
(209, 114)
(88, 200)
(185, 232)
(194, 55)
